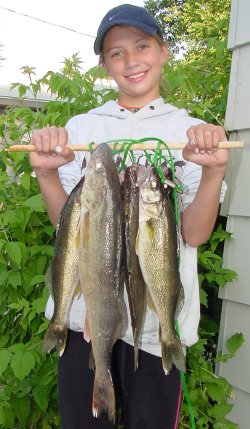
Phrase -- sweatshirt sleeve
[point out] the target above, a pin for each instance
(190, 179)
(71, 173)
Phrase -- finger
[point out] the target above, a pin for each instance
(54, 138)
(208, 139)
(191, 135)
(192, 144)
(62, 141)
(200, 138)
(36, 140)
(46, 139)
(195, 137)
(218, 135)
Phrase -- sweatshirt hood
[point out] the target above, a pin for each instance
(154, 108)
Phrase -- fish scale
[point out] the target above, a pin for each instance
(101, 244)
(134, 281)
(157, 252)
(63, 274)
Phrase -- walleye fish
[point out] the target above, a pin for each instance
(157, 252)
(64, 271)
(134, 281)
(100, 269)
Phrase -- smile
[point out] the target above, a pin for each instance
(137, 76)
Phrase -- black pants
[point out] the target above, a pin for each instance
(147, 397)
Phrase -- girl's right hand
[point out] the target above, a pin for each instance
(51, 151)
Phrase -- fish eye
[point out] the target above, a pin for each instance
(98, 165)
(154, 184)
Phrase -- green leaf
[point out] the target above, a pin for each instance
(215, 392)
(225, 424)
(43, 249)
(41, 396)
(35, 203)
(203, 422)
(13, 218)
(203, 298)
(41, 264)
(14, 252)
(5, 357)
(46, 425)
(15, 278)
(220, 410)
(3, 276)
(18, 347)
(39, 305)
(2, 415)
(25, 180)
(4, 339)
(7, 418)
(22, 364)
(194, 395)
(22, 89)
(235, 342)
(42, 328)
(37, 280)
(22, 409)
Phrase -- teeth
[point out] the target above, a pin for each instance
(135, 76)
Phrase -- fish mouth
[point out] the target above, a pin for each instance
(148, 185)
(146, 177)
(143, 173)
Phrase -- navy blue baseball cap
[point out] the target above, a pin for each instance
(126, 14)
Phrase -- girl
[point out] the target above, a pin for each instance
(132, 50)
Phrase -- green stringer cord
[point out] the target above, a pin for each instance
(158, 157)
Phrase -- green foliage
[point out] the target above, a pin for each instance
(197, 79)
(167, 14)
(212, 274)
(233, 345)
(28, 377)
(208, 392)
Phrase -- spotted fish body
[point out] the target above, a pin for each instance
(63, 275)
(157, 252)
(135, 285)
(100, 269)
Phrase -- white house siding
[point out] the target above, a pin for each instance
(236, 296)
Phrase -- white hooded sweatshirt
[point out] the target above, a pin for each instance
(170, 124)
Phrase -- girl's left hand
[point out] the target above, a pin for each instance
(202, 146)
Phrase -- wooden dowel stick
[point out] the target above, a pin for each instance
(137, 146)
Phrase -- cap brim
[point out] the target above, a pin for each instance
(146, 28)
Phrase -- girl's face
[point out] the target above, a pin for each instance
(134, 60)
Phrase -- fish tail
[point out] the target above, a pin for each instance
(104, 398)
(55, 337)
(172, 353)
